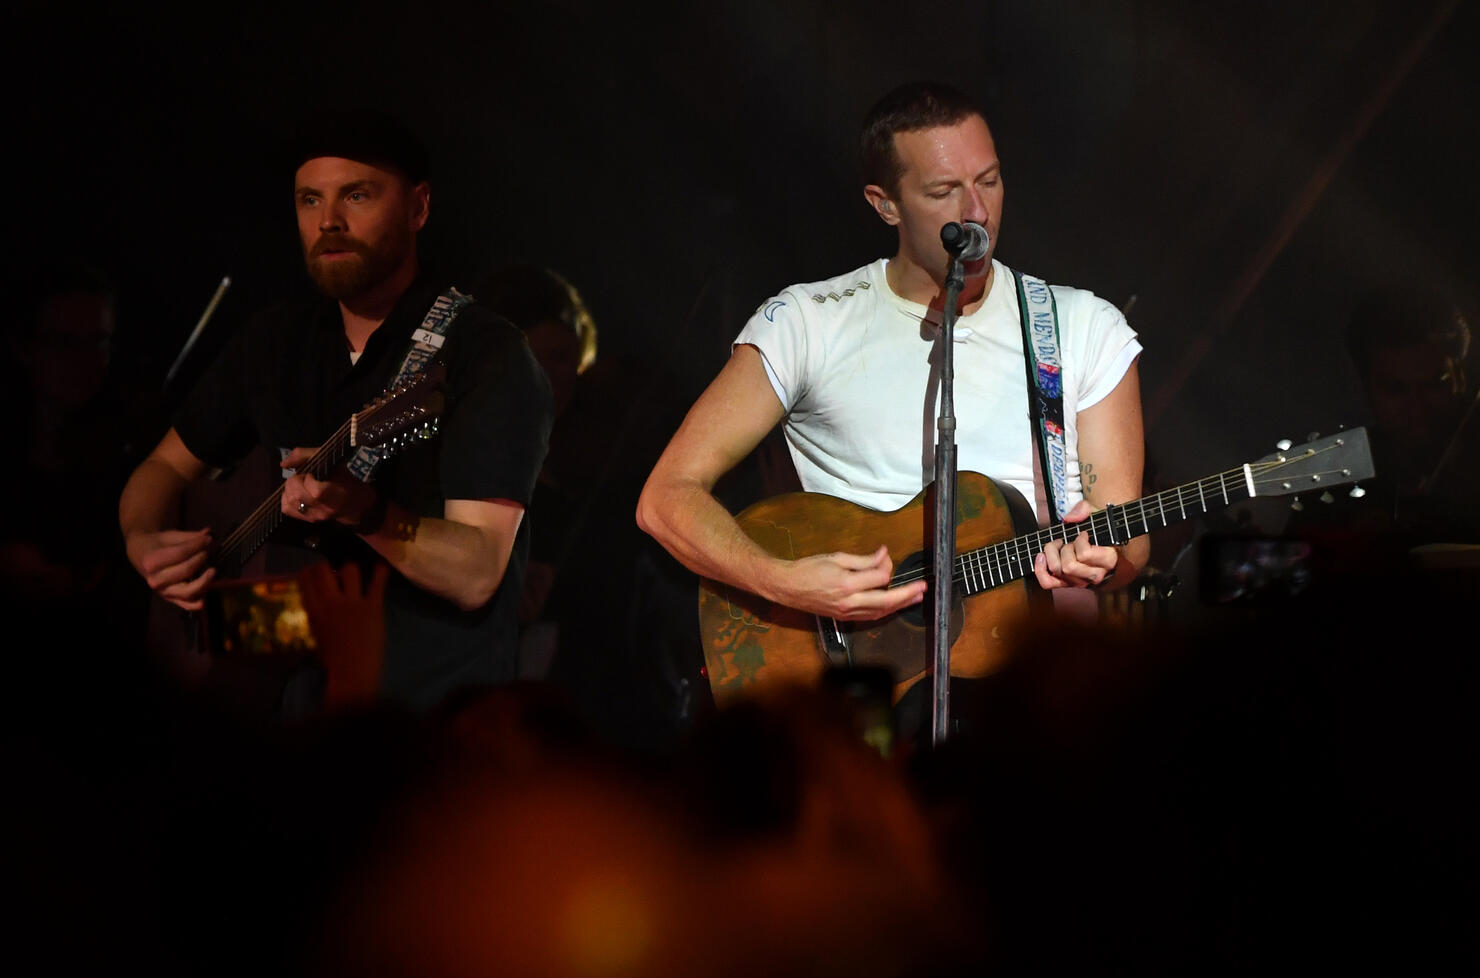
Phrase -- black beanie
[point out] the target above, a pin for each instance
(365, 135)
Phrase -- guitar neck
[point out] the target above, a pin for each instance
(244, 541)
(1010, 560)
(405, 414)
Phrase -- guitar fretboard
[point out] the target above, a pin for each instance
(402, 415)
(1010, 560)
(244, 541)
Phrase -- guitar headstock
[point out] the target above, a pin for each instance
(1344, 458)
(403, 415)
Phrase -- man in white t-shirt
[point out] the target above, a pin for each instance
(847, 365)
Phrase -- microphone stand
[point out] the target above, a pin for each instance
(945, 498)
(205, 317)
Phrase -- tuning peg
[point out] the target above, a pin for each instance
(1327, 498)
(1357, 492)
(1297, 505)
(1283, 444)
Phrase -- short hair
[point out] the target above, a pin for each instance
(908, 108)
(366, 135)
(528, 294)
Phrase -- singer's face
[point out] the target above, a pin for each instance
(951, 173)
(357, 222)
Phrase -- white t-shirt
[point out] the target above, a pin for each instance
(851, 362)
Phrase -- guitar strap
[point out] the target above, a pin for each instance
(426, 342)
(1046, 402)
(1045, 393)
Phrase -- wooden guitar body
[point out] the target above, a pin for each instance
(404, 415)
(750, 641)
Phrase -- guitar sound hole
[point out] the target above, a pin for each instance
(912, 568)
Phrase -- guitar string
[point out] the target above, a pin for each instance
(251, 533)
(264, 519)
(1023, 548)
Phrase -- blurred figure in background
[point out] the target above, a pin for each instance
(606, 614)
(1411, 350)
(562, 333)
(74, 415)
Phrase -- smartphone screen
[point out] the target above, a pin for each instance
(258, 616)
(1243, 569)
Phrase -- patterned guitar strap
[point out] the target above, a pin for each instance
(1046, 401)
(1045, 392)
(426, 342)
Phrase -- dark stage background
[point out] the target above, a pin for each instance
(1236, 172)
(1234, 175)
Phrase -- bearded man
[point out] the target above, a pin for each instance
(447, 514)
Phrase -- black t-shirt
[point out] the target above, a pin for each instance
(285, 380)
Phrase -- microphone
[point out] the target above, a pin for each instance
(968, 241)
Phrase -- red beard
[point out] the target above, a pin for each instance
(348, 276)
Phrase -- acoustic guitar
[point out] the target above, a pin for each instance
(402, 416)
(749, 641)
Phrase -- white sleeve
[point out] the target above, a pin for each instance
(1102, 345)
(778, 329)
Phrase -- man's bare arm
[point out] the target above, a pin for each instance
(172, 561)
(461, 556)
(678, 508)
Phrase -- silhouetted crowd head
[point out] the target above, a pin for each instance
(1285, 783)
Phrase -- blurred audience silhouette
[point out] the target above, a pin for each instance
(1289, 786)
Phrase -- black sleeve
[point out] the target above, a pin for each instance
(497, 425)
